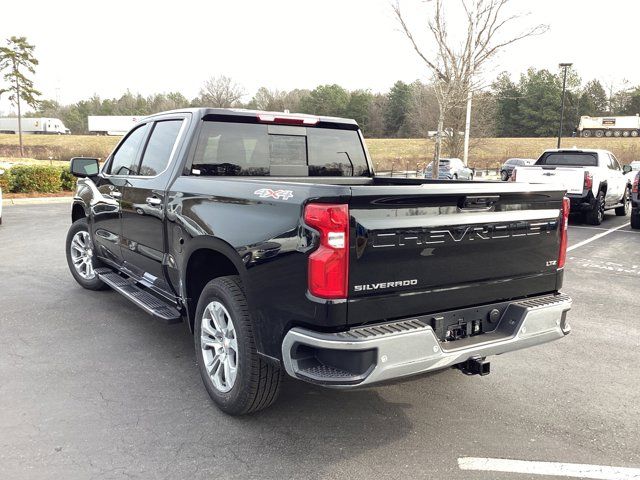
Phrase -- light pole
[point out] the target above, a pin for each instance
(564, 89)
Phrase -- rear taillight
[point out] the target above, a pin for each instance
(588, 180)
(564, 226)
(634, 189)
(329, 263)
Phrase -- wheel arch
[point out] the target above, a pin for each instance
(78, 211)
(602, 187)
(207, 258)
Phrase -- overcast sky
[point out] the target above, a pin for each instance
(149, 47)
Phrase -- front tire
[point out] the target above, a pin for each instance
(626, 199)
(595, 216)
(504, 176)
(237, 379)
(81, 256)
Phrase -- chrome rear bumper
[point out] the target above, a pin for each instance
(370, 354)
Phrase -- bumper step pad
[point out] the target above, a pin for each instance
(143, 299)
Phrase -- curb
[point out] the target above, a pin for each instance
(35, 200)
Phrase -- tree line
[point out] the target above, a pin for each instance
(526, 107)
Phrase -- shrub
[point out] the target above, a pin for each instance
(4, 180)
(67, 179)
(35, 178)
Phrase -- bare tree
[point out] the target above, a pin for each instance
(221, 92)
(455, 66)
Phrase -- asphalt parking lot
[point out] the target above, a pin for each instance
(92, 387)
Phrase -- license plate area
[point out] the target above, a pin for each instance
(464, 323)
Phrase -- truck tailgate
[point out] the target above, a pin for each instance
(570, 179)
(433, 247)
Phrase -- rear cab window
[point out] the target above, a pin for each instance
(569, 159)
(255, 149)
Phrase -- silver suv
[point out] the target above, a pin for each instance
(450, 169)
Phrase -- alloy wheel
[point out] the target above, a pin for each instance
(82, 255)
(219, 346)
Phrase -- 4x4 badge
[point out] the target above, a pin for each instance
(277, 194)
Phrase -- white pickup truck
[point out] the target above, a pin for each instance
(593, 179)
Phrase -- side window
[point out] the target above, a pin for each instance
(614, 163)
(159, 147)
(124, 159)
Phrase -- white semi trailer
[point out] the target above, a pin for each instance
(111, 124)
(41, 125)
(628, 126)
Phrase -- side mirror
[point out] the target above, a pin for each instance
(83, 167)
(626, 168)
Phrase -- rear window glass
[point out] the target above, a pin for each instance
(230, 149)
(574, 159)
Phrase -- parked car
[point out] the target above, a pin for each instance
(509, 165)
(635, 203)
(450, 169)
(1, 173)
(593, 179)
(273, 240)
(631, 171)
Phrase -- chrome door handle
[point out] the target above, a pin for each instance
(116, 194)
(153, 201)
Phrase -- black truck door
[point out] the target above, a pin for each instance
(106, 225)
(143, 204)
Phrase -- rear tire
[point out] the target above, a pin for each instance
(634, 133)
(626, 199)
(599, 133)
(252, 383)
(595, 216)
(81, 257)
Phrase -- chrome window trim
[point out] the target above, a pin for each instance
(183, 127)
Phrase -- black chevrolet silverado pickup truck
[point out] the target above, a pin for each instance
(271, 237)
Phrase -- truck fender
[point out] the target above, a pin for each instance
(226, 261)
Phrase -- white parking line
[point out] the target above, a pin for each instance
(595, 237)
(602, 229)
(549, 468)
